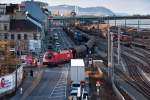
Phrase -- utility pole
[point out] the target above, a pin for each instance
(112, 58)
(138, 29)
(125, 25)
(108, 55)
(119, 45)
(16, 65)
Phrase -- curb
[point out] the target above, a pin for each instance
(32, 87)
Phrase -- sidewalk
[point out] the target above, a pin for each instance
(27, 86)
(26, 83)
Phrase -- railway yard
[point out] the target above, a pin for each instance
(136, 68)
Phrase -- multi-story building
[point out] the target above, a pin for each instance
(2, 9)
(24, 33)
(16, 28)
(4, 23)
(39, 12)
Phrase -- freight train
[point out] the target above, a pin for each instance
(76, 35)
(53, 57)
(124, 38)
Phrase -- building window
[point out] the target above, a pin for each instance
(5, 27)
(25, 36)
(5, 36)
(34, 37)
(19, 36)
(12, 36)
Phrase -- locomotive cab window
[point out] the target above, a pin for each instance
(49, 56)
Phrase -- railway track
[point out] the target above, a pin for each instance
(140, 84)
(143, 51)
(135, 78)
(145, 58)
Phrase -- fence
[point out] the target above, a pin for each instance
(8, 82)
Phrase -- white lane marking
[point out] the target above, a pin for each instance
(60, 90)
(54, 87)
(55, 93)
(59, 86)
(62, 85)
(61, 96)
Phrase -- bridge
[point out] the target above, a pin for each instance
(98, 17)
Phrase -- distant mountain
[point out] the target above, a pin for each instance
(67, 9)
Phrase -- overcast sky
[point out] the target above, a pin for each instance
(123, 6)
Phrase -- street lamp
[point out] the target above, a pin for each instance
(119, 45)
(108, 55)
(112, 57)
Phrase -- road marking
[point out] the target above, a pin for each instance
(61, 85)
(58, 96)
(55, 93)
(60, 89)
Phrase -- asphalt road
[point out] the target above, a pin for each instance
(53, 85)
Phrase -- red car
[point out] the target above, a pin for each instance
(53, 57)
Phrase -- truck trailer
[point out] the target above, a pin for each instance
(77, 70)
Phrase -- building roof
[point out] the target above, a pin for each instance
(77, 62)
(23, 26)
(34, 9)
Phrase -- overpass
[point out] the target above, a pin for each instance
(98, 17)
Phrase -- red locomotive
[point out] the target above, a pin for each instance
(53, 57)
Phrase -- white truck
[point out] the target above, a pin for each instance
(77, 70)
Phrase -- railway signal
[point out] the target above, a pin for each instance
(98, 86)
